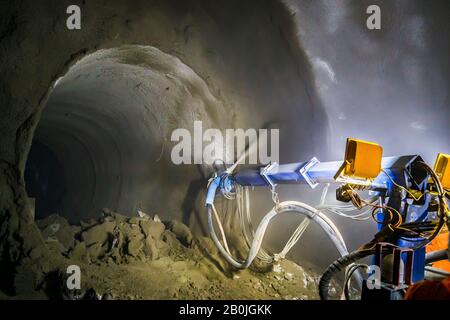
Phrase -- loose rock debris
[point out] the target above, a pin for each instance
(142, 257)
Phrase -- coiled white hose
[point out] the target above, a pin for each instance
(288, 206)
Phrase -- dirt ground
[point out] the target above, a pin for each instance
(144, 258)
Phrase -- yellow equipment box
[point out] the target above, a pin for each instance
(442, 169)
(362, 159)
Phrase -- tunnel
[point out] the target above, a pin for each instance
(108, 122)
(104, 138)
(88, 115)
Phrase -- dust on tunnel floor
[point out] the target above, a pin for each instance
(143, 258)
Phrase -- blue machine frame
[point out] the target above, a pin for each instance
(396, 171)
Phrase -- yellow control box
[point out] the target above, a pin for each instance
(442, 169)
(362, 159)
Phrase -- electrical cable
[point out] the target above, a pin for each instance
(348, 277)
(401, 187)
(288, 206)
(443, 212)
(340, 209)
(344, 262)
(339, 265)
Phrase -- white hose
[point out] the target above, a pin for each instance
(222, 232)
(288, 206)
(246, 225)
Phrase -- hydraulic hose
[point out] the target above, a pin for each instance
(338, 266)
(341, 264)
(436, 256)
(345, 261)
(439, 272)
(288, 206)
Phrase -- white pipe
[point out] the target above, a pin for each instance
(288, 206)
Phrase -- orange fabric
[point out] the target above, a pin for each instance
(439, 243)
(429, 290)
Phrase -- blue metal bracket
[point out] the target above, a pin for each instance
(306, 168)
(270, 169)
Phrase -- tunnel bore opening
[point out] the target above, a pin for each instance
(45, 181)
(103, 140)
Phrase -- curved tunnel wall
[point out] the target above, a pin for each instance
(109, 121)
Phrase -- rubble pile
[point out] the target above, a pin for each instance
(114, 238)
(143, 257)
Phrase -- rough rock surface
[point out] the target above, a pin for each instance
(140, 258)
